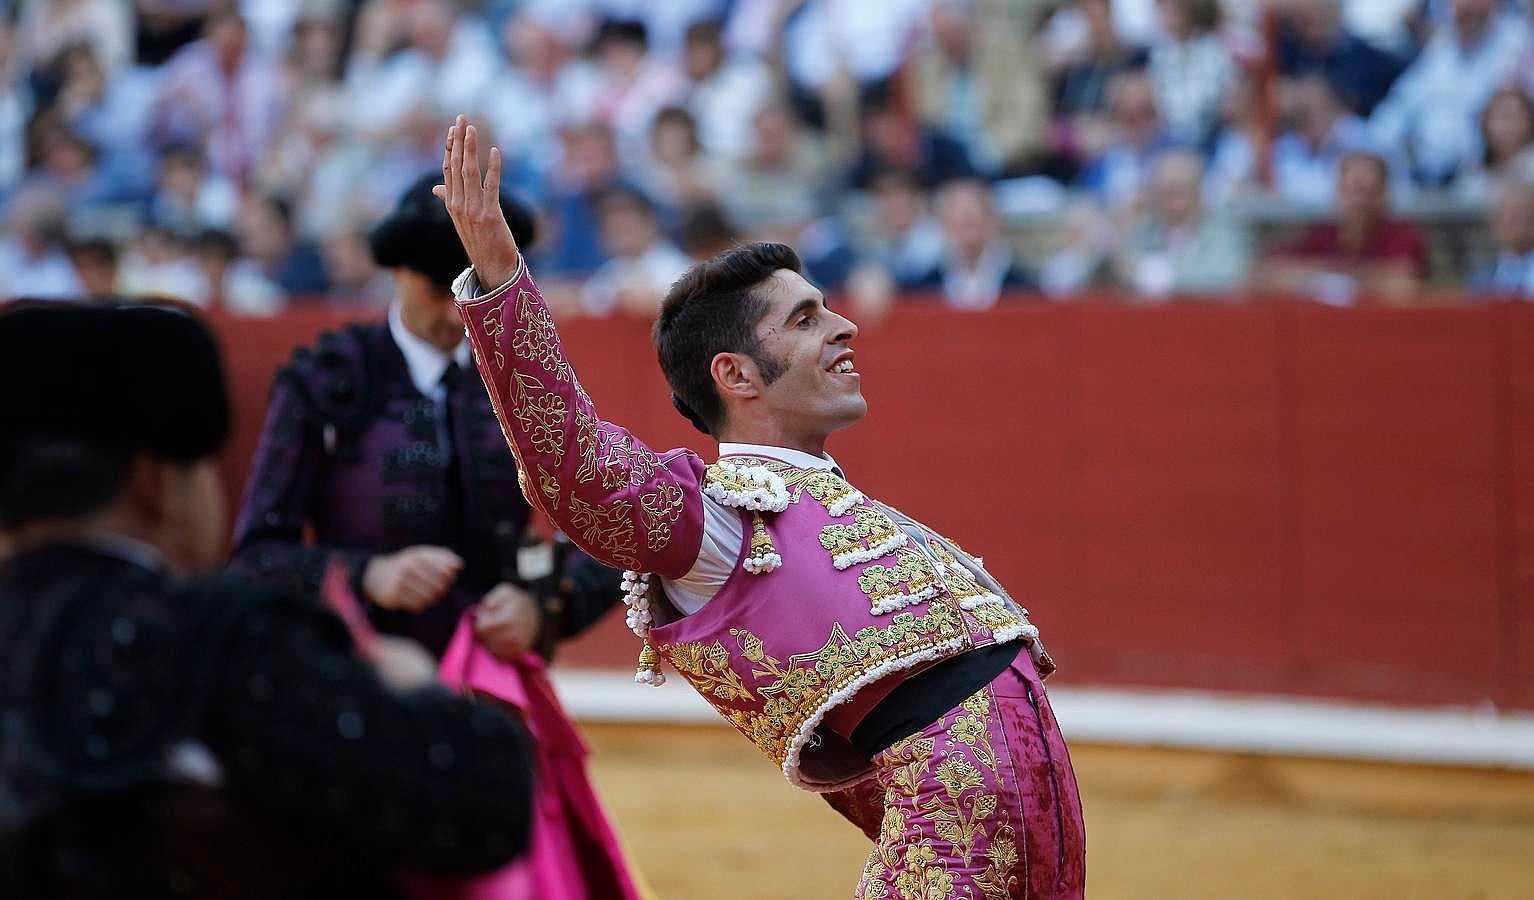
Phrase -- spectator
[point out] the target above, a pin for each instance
(49, 27)
(978, 264)
(1190, 70)
(219, 95)
(905, 239)
(159, 264)
(1507, 134)
(1081, 88)
(1115, 176)
(675, 172)
(15, 108)
(666, 24)
(641, 263)
(633, 86)
(588, 168)
(979, 79)
(443, 61)
(1512, 234)
(1179, 247)
(266, 236)
(894, 139)
(32, 263)
(95, 262)
(188, 198)
(229, 282)
(543, 85)
(1431, 111)
(1363, 252)
(67, 165)
(706, 232)
(110, 113)
(355, 279)
(774, 183)
(1314, 39)
(722, 94)
(820, 41)
(1306, 157)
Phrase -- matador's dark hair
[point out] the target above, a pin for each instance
(714, 308)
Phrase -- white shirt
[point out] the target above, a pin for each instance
(650, 273)
(724, 533)
(424, 361)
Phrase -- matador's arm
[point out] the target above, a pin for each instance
(620, 501)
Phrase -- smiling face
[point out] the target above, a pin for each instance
(802, 384)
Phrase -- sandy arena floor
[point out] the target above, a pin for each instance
(706, 817)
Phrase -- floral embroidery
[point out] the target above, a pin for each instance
(536, 339)
(997, 881)
(541, 413)
(661, 507)
(493, 325)
(707, 668)
(619, 459)
(836, 495)
(609, 528)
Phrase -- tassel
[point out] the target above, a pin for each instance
(764, 556)
(649, 667)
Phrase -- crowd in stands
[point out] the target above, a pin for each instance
(236, 154)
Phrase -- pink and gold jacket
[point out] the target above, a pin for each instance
(835, 597)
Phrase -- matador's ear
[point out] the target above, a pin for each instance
(694, 418)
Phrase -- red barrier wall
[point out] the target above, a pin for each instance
(1273, 498)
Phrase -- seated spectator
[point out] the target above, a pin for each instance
(675, 171)
(1432, 110)
(723, 94)
(821, 41)
(188, 198)
(95, 262)
(632, 86)
(1178, 246)
(71, 168)
(641, 262)
(1322, 132)
(776, 181)
(588, 167)
(222, 96)
(1190, 69)
(542, 83)
(1507, 133)
(1115, 176)
(32, 259)
(1082, 85)
(110, 113)
(1314, 39)
(978, 265)
(49, 27)
(1512, 234)
(427, 52)
(355, 279)
(159, 263)
(905, 239)
(1363, 252)
(705, 232)
(266, 236)
(978, 79)
(230, 282)
(894, 139)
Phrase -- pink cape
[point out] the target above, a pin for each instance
(575, 853)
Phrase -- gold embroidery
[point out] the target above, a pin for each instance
(615, 455)
(541, 414)
(827, 488)
(586, 436)
(608, 528)
(997, 881)
(870, 530)
(922, 877)
(536, 339)
(493, 325)
(662, 507)
(911, 575)
(549, 485)
(707, 667)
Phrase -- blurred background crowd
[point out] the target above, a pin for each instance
(236, 154)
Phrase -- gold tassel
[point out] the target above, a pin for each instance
(649, 666)
(764, 556)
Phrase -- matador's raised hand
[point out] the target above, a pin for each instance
(474, 204)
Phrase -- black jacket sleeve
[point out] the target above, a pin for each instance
(289, 467)
(312, 738)
(592, 590)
